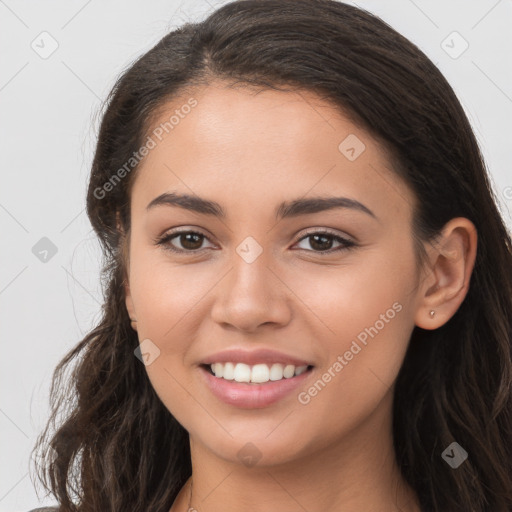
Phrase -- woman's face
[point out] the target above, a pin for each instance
(264, 276)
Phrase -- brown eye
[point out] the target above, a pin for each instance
(190, 241)
(322, 242)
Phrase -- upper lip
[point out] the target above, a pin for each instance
(253, 357)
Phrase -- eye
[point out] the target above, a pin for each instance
(189, 240)
(322, 241)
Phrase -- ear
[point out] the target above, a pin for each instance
(128, 296)
(446, 282)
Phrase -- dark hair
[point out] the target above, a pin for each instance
(118, 447)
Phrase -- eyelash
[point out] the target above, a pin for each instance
(165, 242)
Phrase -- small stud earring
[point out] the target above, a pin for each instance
(432, 313)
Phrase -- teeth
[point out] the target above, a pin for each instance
(258, 373)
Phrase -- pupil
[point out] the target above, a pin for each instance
(188, 244)
(322, 237)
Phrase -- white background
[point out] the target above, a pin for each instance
(48, 127)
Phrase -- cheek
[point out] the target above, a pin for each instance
(170, 301)
(359, 365)
(166, 294)
(361, 320)
(347, 299)
(167, 300)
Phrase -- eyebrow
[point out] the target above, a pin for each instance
(287, 209)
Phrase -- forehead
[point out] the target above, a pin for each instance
(234, 143)
(239, 121)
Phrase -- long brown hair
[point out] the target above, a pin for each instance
(115, 446)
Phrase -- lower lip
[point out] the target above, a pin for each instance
(252, 396)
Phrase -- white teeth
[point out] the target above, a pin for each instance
(242, 373)
(288, 371)
(300, 369)
(276, 372)
(228, 372)
(218, 369)
(259, 373)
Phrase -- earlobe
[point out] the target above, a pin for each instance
(446, 284)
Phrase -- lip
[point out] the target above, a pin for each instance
(250, 395)
(253, 357)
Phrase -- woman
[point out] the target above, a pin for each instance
(308, 282)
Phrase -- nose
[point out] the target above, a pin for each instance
(252, 295)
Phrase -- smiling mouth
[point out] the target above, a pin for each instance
(241, 373)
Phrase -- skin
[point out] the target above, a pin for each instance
(249, 152)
